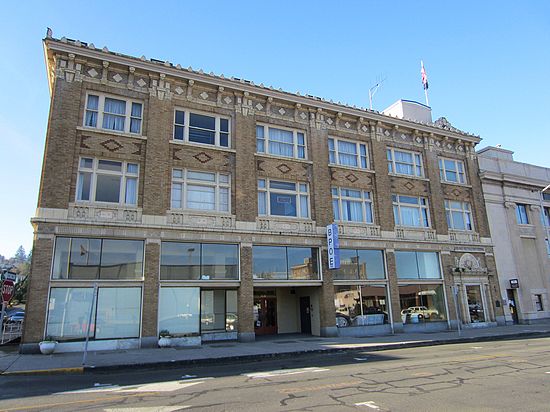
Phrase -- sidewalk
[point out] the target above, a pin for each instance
(12, 362)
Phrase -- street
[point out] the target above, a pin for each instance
(509, 375)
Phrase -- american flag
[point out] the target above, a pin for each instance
(424, 75)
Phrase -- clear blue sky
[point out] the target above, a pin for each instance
(488, 64)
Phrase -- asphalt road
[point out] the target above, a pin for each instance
(490, 376)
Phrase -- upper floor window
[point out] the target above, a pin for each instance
(545, 196)
(277, 198)
(201, 128)
(347, 153)
(521, 214)
(107, 181)
(451, 170)
(410, 211)
(403, 162)
(109, 113)
(546, 216)
(459, 215)
(200, 190)
(280, 142)
(351, 205)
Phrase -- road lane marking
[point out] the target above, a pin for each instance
(149, 409)
(284, 372)
(169, 386)
(348, 384)
(369, 404)
(360, 359)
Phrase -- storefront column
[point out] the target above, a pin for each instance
(327, 312)
(393, 288)
(246, 296)
(447, 263)
(149, 310)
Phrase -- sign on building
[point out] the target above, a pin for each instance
(333, 247)
(514, 283)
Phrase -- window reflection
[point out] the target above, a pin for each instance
(361, 305)
(281, 262)
(422, 303)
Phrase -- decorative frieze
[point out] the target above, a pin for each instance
(104, 214)
(285, 226)
(195, 220)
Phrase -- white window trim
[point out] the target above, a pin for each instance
(294, 143)
(186, 124)
(414, 164)
(100, 111)
(419, 206)
(358, 154)
(185, 181)
(364, 200)
(443, 170)
(466, 209)
(267, 190)
(124, 174)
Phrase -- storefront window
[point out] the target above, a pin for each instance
(360, 264)
(422, 303)
(118, 313)
(218, 310)
(280, 262)
(179, 310)
(475, 303)
(69, 313)
(361, 305)
(417, 265)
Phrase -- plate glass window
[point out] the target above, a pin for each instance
(417, 265)
(451, 170)
(403, 162)
(459, 215)
(410, 211)
(288, 263)
(422, 303)
(279, 198)
(360, 264)
(218, 310)
(280, 142)
(361, 305)
(179, 310)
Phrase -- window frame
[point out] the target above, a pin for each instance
(184, 181)
(522, 218)
(187, 125)
(95, 171)
(390, 158)
(365, 200)
(295, 143)
(466, 212)
(461, 176)
(101, 111)
(298, 193)
(314, 255)
(225, 329)
(398, 204)
(359, 157)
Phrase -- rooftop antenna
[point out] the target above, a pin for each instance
(374, 89)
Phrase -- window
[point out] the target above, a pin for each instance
(538, 303)
(87, 259)
(194, 261)
(521, 214)
(200, 190)
(417, 265)
(364, 305)
(116, 313)
(201, 128)
(422, 303)
(107, 181)
(545, 216)
(403, 162)
(280, 142)
(288, 263)
(358, 264)
(475, 303)
(110, 113)
(410, 211)
(218, 310)
(351, 205)
(546, 196)
(179, 310)
(451, 170)
(459, 215)
(277, 198)
(347, 153)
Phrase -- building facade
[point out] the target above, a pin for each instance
(176, 200)
(518, 210)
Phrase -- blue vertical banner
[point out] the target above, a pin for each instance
(333, 246)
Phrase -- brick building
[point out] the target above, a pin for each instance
(172, 199)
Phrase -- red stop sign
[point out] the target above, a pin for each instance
(7, 290)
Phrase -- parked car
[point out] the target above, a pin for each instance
(342, 320)
(422, 311)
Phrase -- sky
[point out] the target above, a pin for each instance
(488, 65)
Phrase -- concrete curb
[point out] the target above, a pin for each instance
(55, 371)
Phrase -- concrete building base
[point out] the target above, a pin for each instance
(246, 336)
(329, 331)
(364, 331)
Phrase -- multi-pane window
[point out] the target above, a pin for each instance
(280, 142)
(285, 263)
(459, 215)
(200, 190)
(352, 205)
(451, 170)
(347, 153)
(201, 128)
(278, 198)
(107, 181)
(91, 258)
(521, 214)
(410, 211)
(360, 264)
(403, 162)
(110, 113)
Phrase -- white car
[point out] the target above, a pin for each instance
(422, 311)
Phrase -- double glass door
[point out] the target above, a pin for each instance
(265, 315)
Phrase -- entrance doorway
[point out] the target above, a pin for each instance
(512, 304)
(305, 315)
(265, 315)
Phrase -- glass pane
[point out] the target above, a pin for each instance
(178, 132)
(410, 216)
(336, 209)
(202, 121)
(113, 122)
(224, 125)
(61, 258)
(176, 195)
(224, 139)
(132, 168)
(475, 303)
(223, 178)
(374, 304)
(201, 197)
(231, 319)
(122, 259)
(405, 265)
(69, 313)
(136, 110)
(107, 188)
(304, 210)
(428, 265)
(371, 264)
(348, 265)
(180, 117)
(352, 211)
(422, 303)
(179, 310)
(202, 136)
(118, 313)
(84, 259)
(224, 200)
(84, 186)
(278, 135)
(262, 203)
(282, 204)
(206, 177)
(180, 261)
(177, 173)
(86, 163)
(260, 145)
(115, 106)
(302, 263)
(91, 119)
(269, 262)
(110, 165)
(93, 102)
(212, 310)
(220, 261)
(135, 125)
(260, 132)
(458, 221)
(131, 191)
(273, 184)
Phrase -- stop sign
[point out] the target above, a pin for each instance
(7, 290)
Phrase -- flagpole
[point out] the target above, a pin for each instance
(424, 82)
(426, 94)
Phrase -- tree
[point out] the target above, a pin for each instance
(20, 255)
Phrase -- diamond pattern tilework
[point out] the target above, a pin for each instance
(141, 83)
(111, 145)
(204, 95)
(282, 111)
(227, 100)
(93, 72)
(178, 90)
(117, 78)
(283, 168)
(352, 178)
(203, 157)
(409, 186)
